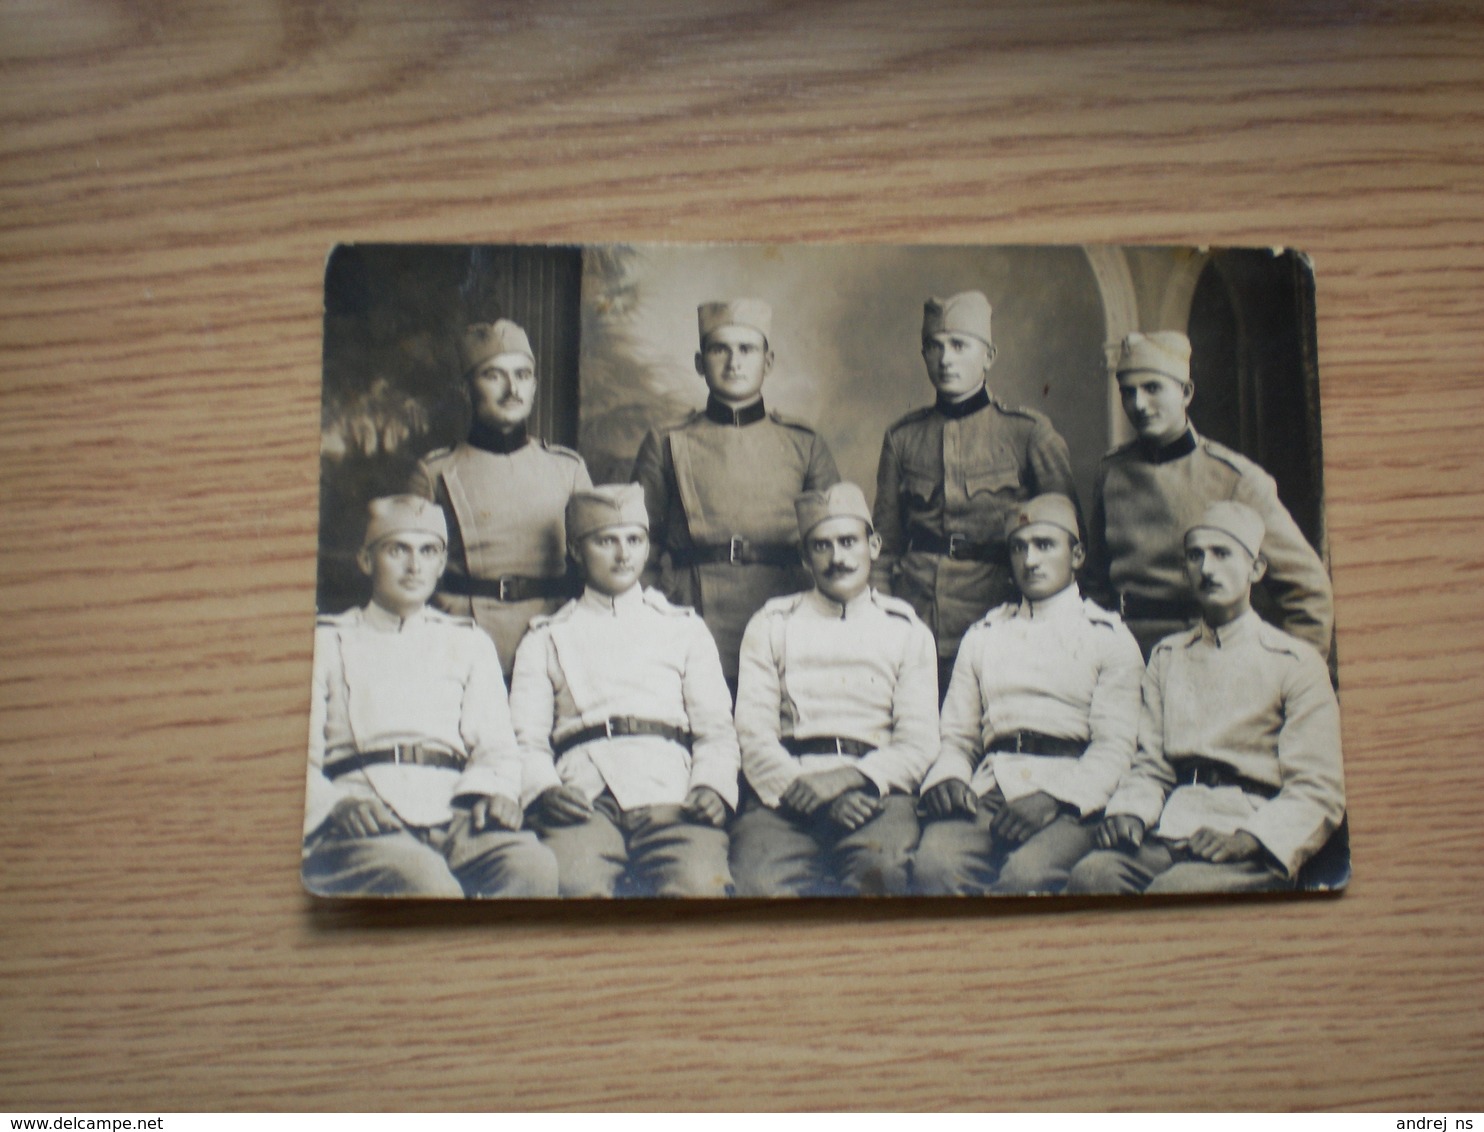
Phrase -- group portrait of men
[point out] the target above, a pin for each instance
(734, 674)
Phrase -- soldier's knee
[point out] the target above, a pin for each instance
(707, 877)
(880, 870)
(592, 878)
(760, 873)
(532, 873)
(1024, 875)
(1102, 871)
(937, 869)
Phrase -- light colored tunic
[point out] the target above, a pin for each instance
(811, 667)
(1063, 667)
(635, 655)
(380, 681)
(1256, 700)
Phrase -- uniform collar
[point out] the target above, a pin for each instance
(831, 608)
(737, 418)
(386, 621)
(954, 410)
(1057, 605)
(1233, 632)
(500, 443)
(630, 599)
(1163, 454)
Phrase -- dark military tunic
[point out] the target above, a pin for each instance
(949, 476)
(720, 491)
(506, 519)
(1146, 498)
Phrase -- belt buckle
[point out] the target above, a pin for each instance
(504, 591)
(608, 727)
(1019, 742)
(1123, 605)
(396, 754)
(734, 550)
(953, 540)
(839, 746)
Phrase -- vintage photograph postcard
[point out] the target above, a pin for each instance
(779, 571)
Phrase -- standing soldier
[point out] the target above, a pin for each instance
(1150, 490)
(720, 486)
(504, 493)
(837, 714)
(625, 721)
(951, 473)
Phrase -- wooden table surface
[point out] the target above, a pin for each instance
(171, 179)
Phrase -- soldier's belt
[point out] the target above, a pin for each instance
(509, 587)
(1036, 743)
(1196, 771)
(955, 546)
(827, 745)
(737, 551)
(404, 754)
(621, 725)
(1132, 607)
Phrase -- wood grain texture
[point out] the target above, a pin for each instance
(172, 177)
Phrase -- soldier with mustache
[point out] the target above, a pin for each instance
(1237, 781)
(837, 718)
(503, 492)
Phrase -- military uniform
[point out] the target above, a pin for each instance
(623, 699)
(413, 712)
(507, 552)
(1149, 492)
(825, 685)
(1044, 698)
(1143, 501)
(1239, 730)
(720, 490)
(949, 475)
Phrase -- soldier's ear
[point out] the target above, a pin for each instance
(989, 355)
(363, 560)
(767, 361)
(1079, 556)
(873, 544)
(700, 363)
(1189, 394)
(1259, 569)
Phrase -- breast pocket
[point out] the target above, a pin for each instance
(1001, 478)
(920, 491)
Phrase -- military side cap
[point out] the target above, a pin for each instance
(1052, 508)
(1234, 519)
(609, 505)
(842, 501)
(1164, 352)
(964, 313)
(738, 312)
(485, 340)
(396, 514)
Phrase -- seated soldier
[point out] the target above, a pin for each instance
(1237, 780)
(1038, 725)
(837, 714)
(414, 773)
(620, 705)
